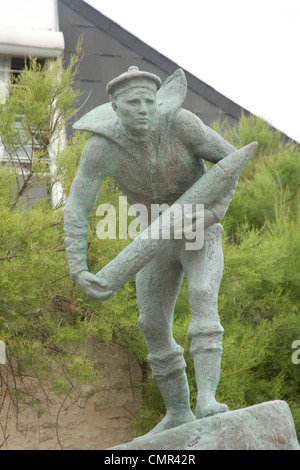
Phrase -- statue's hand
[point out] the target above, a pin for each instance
(211, 215)
(94, 287)
(216, 213)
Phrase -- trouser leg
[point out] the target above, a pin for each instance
(158, 284)
(157, 287)
(204, 270)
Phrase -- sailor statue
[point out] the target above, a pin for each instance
(155, 150)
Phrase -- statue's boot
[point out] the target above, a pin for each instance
(175, 392)
(207, 365)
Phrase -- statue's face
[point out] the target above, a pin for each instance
(136, 108)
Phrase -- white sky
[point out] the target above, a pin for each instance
(248, 50)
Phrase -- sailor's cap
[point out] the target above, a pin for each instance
(133, 78)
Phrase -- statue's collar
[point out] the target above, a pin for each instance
(103, 120)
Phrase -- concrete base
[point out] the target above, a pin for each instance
(267, 426)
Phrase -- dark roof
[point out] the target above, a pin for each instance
(153, 56)
(204, 100)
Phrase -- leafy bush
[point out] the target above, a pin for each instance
(259, 299)
(43, 314)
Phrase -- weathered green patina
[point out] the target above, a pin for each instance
(155, 150)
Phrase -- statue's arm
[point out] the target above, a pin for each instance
(200, 139)
(83, 194)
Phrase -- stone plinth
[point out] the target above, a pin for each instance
(267, 426)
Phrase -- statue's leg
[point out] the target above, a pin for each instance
(203, 270)
(158, 284)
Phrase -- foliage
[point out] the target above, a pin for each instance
(44, 316)
(40, 315)
(39, 103)
(259, 298)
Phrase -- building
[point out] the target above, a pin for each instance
(108, 51)
(25, 32)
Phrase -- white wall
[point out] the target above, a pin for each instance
(31, 14)
(30, 27)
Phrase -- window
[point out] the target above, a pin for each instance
(18, 64)
(20, 157)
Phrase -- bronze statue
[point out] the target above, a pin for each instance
(155, 150)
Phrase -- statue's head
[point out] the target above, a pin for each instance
(133, 95)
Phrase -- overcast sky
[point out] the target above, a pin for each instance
(248, 50)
